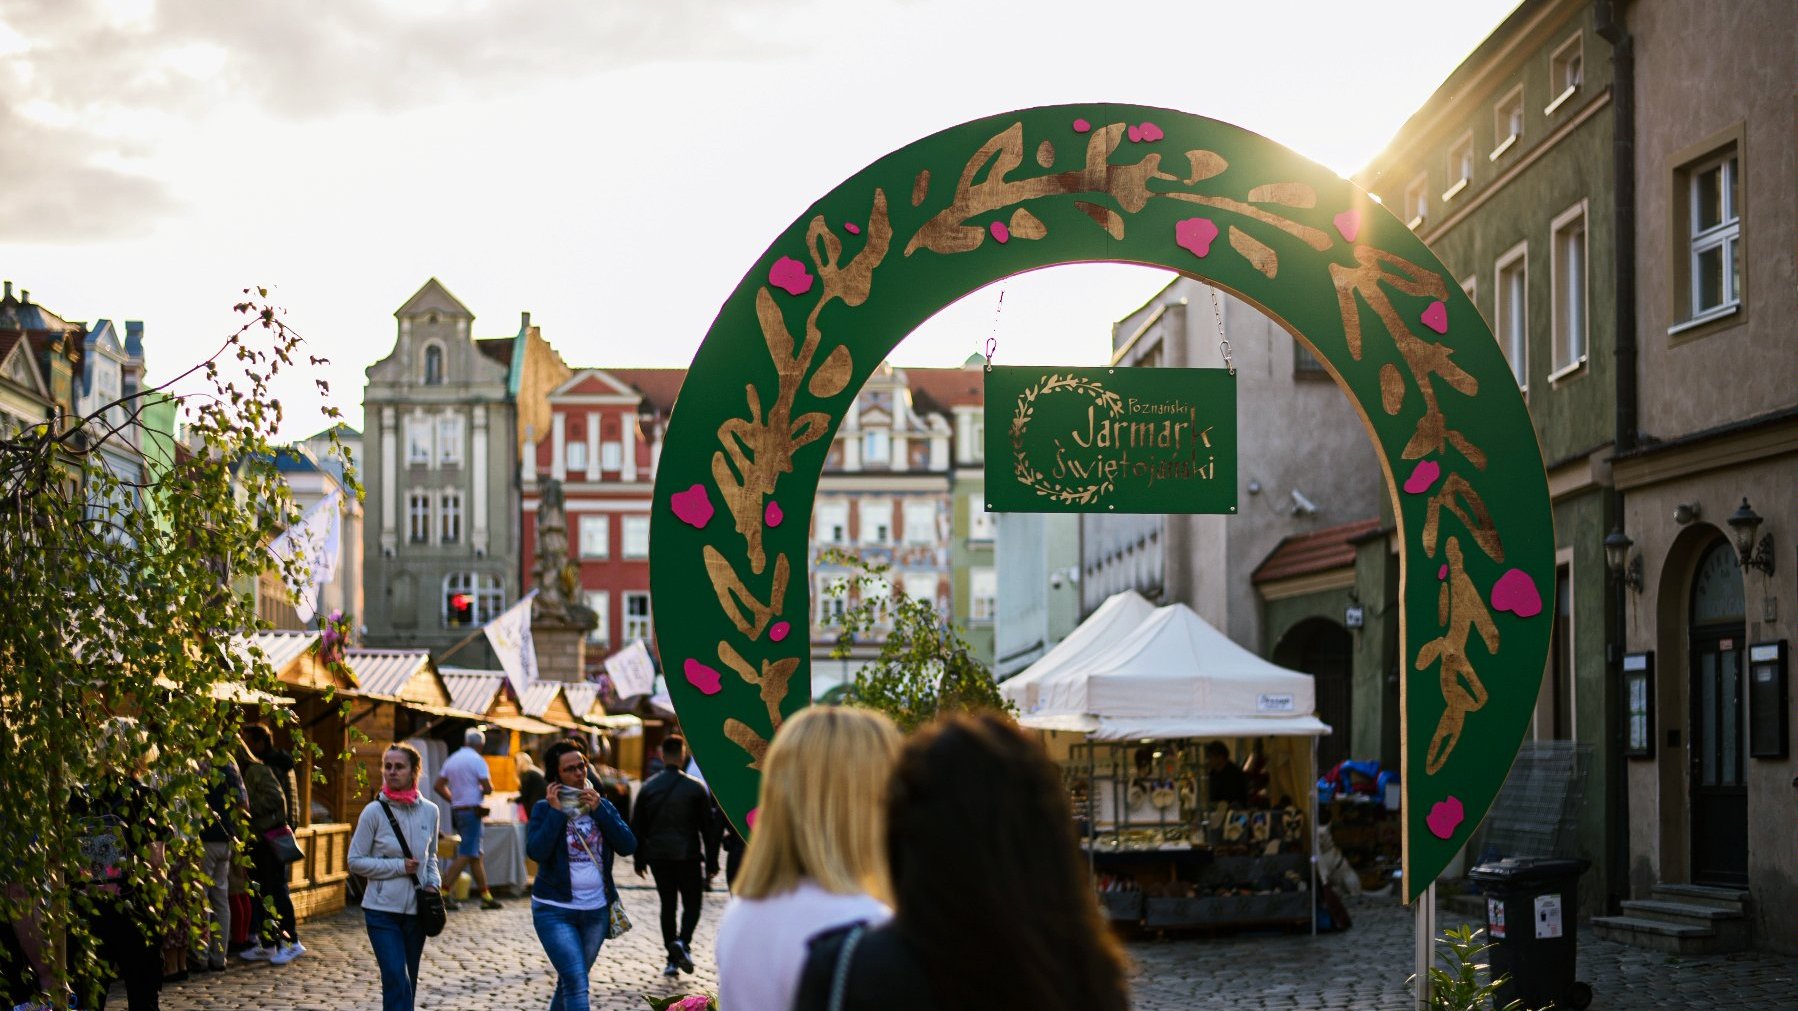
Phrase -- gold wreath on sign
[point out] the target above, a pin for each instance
(1036, 480)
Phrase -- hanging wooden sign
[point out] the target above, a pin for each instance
(1122, 440)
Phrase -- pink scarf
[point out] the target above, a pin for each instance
(407, 797)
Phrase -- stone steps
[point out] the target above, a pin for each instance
(1682, 920)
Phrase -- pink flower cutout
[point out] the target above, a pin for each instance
(1082, 126)
(852, 228)
(1348, 224)
(1195, 235)
(1436, 317)
(1000, 232)
(779, 631)
(1516, 592)
(772, 515)
(1423, 477)
(1146, 133)
(693, 506)
(749, 819)
(706, 679)
(1446, 816)
(1442, 573)
(790, 276)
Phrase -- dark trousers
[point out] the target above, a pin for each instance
(682, 880)
(399, 943)
(269, 875)
(135, 957)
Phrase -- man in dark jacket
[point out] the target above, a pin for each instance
(675, 832)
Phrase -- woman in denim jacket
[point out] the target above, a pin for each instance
(574, 834)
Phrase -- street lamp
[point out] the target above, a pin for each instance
(1616, 556)
(1744, 523)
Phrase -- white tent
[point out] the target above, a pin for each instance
(1174, 676)
(1052, 691)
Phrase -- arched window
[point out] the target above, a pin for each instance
(433, 365)
(472, 598)
(1717, 596)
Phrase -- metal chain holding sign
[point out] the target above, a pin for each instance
(992, 340)
(1223, 343)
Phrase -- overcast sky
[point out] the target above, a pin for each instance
(611, 167)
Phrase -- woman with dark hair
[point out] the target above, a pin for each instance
(993, 905)
(573, 835)
(395, 848)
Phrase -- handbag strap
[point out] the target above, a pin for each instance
(401, 836)
(839, 980)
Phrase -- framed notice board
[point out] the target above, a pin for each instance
(1768, 727)
(1638, 705)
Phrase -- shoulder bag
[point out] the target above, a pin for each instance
(429, 901)
(620, 924)
(839, 978)
(287, 849)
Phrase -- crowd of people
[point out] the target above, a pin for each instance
(883, 872)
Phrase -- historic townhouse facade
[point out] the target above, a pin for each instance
(441, 545)
(1506, 172)
(1708, 626)
(602, 442)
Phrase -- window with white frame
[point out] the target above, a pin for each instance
(876, 520)
(1714, 236)
(983, 594)
(1507, 123)
(920, 521)
(611, 456)
(877, 448)
(1570, 290)
(1460, 166)
(418, 517)
(832, 595)
(1566, 72)
(1417, 201)
(637, 623)
(877, 588)
(472, 598)
(636, 537)
(831, 522)
(449, 439)
(449, 517)
(1511, 312)
(920, 586)
(979, 440)
(595, 535)
(600, 603)
(980, 522)
(575, 455)
(418, 439)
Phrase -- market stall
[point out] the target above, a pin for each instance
(1176, 838)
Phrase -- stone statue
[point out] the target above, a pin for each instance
(558, 577)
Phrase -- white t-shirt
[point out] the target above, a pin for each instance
(585, 882)
(465, 770)
(761, 942)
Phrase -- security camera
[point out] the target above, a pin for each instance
(1302, 506)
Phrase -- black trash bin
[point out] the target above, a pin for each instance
(1532, 906)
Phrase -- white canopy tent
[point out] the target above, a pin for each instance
(1053, 689)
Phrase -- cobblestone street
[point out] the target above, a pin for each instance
(490, 961)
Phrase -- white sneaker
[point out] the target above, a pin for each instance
(256, 953)
(287, 953)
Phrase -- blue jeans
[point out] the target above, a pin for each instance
(468, 825)
(399, 942)
(571, 938)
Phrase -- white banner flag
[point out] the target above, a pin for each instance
(510, 636)
(632, 671)
(317, 541)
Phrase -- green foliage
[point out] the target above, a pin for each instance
(1455, 982)
(924, 666)
(124, 602)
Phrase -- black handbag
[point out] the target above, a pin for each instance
(429, 901)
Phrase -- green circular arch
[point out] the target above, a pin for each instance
(950, 213)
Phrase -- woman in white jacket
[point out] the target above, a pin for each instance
(389, 908)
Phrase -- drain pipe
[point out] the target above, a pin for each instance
(1623, 222)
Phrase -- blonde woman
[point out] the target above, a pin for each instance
(817, 858)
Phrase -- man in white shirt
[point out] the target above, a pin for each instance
(463, 782)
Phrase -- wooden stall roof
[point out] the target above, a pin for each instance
(404, 674)
(490, 694)
(546, 701)
(295, 661)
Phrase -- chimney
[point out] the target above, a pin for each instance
(25, 297)
(524, 323)
(9, 289)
